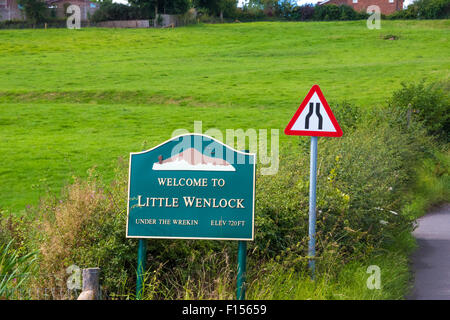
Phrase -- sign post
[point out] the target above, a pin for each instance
(191, 187)
(313, 118)
(242, 266)
(142, 256)
(312, 205)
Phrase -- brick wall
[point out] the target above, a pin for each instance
(385, 6)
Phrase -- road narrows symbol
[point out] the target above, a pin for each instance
(314, 117)
(308, 116)
(319, 115)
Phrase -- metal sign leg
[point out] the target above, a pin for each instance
(242, 266)
(142, 256)
(312, 206)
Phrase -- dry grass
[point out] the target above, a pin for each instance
(65, 228)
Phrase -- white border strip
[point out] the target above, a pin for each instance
(193, 238)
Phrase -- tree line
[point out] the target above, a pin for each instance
(36, 11)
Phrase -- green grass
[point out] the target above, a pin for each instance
(70, 100)
(349, 284)
(432, 184)
(336, 281)
(45, 145)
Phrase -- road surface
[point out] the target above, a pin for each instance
(431, 260)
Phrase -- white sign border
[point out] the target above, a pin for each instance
(193, 238)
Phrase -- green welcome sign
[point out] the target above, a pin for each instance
(191, 187)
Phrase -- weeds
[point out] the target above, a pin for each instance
(15, 271)
(372, 183)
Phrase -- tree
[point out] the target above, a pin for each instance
(35, 10)
(117, 11)
(153, 7)
(433, 9)
(218, 7)
(424, 9)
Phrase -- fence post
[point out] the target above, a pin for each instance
(91, 287)
(408, 115)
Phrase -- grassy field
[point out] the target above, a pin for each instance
(70, 100)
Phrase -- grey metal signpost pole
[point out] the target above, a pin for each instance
(312, 206)
(327, 126)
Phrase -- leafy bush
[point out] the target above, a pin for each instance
(285, 9)
(429, 103)
(175, 6)
(35, 10)
(411, 12)
(250, 14)
(424, 9)
(303, 13)
(109, 11)
(348, 115)
(331, 12)
(432, 183)
(364, 180)
(433, 9)
(361, 179)
(327, 12)
(85, 228)
(21, 24)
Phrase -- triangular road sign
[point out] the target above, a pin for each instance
(314, 117)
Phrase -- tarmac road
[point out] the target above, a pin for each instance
(431, 261)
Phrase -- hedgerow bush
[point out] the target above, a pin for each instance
(303, 13)
(86, 227)
(361, 179)
(363, 187)
(248, 14)
(109, 11)
(429, 103)
(424, 9)
(82, 228)
(24, 24)
(331, 12)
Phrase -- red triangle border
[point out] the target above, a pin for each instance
(315, 89)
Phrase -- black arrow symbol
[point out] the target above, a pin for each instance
(311, 110)
(319, 115)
